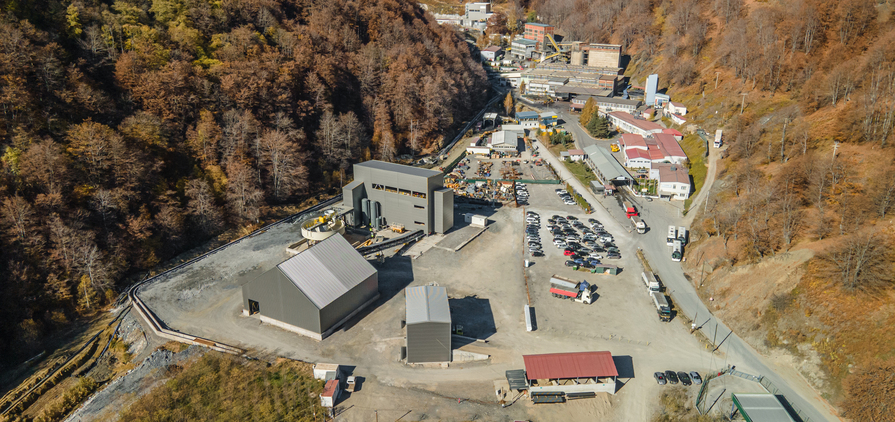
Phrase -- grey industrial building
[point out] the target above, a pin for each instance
(428, 324)
(384, 194)
(314, 292)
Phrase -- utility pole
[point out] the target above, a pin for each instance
(743, 105)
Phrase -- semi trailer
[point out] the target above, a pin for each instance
(650, 281)
(563, 288)
(662, 308)
(677, 251)
(638, 224)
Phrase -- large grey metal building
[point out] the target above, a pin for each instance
(387, 193)
(314, 292)
(428, 324)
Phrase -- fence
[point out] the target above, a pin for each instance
(533, 182)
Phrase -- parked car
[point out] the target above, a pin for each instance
(570, 263)
(568, 252)
(671, 377)
(695, 377)
(537, 253)
(572, 217)
(660, 378)
(685, 379)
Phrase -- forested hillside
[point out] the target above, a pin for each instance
(795, 244)
(134, 129)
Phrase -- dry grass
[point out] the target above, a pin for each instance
(223, 387)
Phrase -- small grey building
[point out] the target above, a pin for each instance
(428, 324)
(315, 292)
(390, 193)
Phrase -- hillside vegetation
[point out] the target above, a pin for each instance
(223, 387)
(801, 214)
(135, 129)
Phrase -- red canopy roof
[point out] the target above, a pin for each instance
(330, 388)
(569, 365)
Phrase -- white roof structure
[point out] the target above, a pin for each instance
(327, 270)
(427, 304)
(761, 408)
(505, 137)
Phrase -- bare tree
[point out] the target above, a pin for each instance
(18, 215)
(285, 172)
(863, 260)
(201, 206)
(243, 195)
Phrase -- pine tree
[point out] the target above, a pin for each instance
(598, 126)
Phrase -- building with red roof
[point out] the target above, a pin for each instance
(632, 140)
(571, 372)
(677, 119)
(628, 123)
(637, 158)
(330, 394)
(674, 132)
(671, 150)
(674, 180)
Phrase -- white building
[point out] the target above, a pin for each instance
(674, 182)
(677, 119)
(477, 15)
(505, 141)
(528, 119)
(492, 52)
(577, 154)
(673, 107)
(637, 158)
(628, 123)
(522, 48)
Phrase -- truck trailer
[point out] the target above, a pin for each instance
(662, 307)
(630, 211)
(677, 251)
(682, 235)
(638, 224)
(672, 235)
(650, 281)
(718, 138)
(563, 288)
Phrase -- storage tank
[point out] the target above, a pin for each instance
(577, 58)
(374, 214)
(365, 210)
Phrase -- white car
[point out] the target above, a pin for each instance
(560, 244)
(595, 256)
(562, 192)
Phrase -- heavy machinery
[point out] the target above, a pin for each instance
(614, 148)
(564, 288)
(397, 228)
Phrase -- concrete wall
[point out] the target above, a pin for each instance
(603, 56)
(352, 193)
(280, 300)
(429, 342)
(444, 210)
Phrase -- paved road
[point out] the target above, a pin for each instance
(659, 215)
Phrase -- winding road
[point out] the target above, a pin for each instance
(659, 215)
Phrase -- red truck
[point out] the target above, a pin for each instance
(630, 211)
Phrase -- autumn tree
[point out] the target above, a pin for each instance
(508, 104)
(243, 196)
(862, 260)
(869, 392)
(588, 112)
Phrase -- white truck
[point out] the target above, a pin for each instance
(650, 281)
(672, 236)
(662, 308)
(564, 288)
(718, 138)
(682, 235)
(638, 224)
(677, 251)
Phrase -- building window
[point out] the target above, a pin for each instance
(378, 186)
(404, 192)
(391, 189)
(419, 195)
(254, 307)
(419, 207)
(418, 223)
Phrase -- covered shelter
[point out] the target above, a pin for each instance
(606, 167)
(428, 324)
(760, 407)
(579, 372)
(315, 292)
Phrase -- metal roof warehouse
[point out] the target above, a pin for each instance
(570, 365)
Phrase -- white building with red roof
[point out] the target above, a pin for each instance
(673, 107)
(637, 158)
(677, 119)
(671, 150)
(674, 181)
(628, 123)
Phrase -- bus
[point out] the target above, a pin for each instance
(677, 251)
(718, 138)
(682, 235)
(672, 236)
